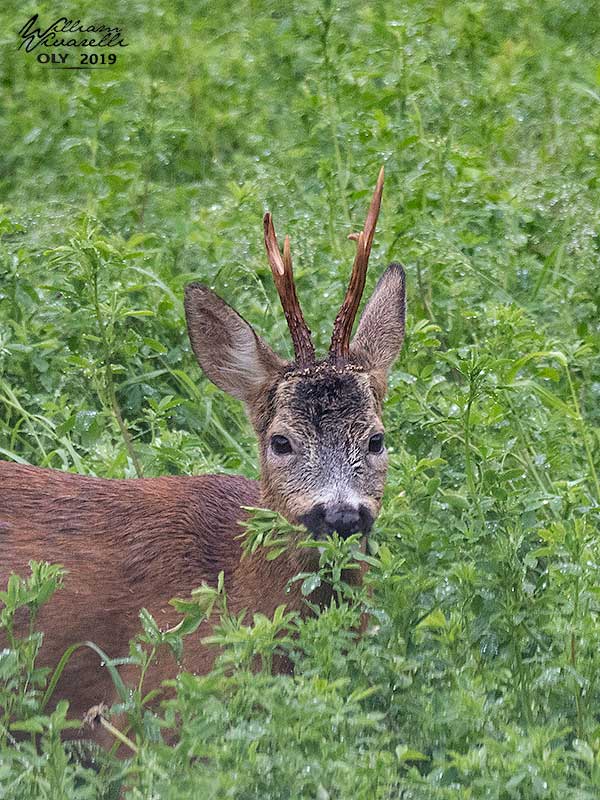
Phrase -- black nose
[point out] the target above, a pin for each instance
(339, 517)
(345, 520)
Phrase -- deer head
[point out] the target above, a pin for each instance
(318, 421)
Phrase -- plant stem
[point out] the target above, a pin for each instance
(584, 436)
(526, 707)
(329, 106)
(109, 379)
(118, 734)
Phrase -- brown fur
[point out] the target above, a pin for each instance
(128, 544)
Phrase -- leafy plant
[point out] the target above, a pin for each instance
(475, 675)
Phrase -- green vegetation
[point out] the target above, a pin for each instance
(478, 675)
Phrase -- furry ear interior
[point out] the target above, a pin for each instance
(380, 333)
(228, 350)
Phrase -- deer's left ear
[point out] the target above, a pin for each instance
(380, 333)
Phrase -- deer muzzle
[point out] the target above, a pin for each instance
(344, 519)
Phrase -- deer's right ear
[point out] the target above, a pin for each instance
(231, 355)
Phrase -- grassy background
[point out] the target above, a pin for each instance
(478, 677)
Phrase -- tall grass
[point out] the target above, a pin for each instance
(477, 677)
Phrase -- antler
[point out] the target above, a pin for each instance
(342, 327)
(284, 282)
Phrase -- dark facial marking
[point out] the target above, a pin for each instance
(329, 398)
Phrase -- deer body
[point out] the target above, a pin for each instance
(128, 544)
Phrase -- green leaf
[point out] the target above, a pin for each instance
(310, 583)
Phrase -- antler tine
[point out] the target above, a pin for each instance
(342, 327)
(284, 282)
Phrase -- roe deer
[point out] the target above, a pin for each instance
(132, 543)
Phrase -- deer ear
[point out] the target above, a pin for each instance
(380, 333)
(231, 355)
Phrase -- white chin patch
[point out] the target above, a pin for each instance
(321, 549)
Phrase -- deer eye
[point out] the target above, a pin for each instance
(280, 445)
(376, 443)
